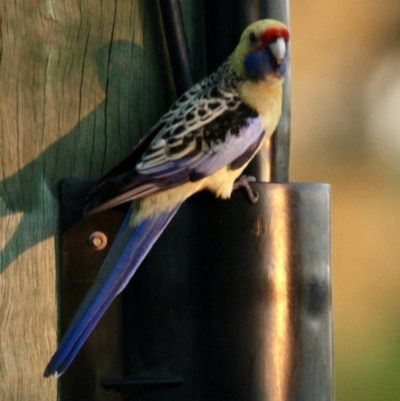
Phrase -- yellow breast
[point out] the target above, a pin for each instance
(266, 98)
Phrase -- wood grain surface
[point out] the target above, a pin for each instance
(80, 82)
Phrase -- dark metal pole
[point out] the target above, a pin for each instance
(280, 143)
(177, 44)
(265, 284)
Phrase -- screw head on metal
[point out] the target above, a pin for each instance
(97, 240)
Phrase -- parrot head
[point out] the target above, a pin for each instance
(262, 51)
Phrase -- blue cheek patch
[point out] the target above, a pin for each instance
(259, 64)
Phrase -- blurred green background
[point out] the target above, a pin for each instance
(346, 131)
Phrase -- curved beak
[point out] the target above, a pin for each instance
(278, 49)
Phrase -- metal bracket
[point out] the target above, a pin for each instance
(80, 262)
(233, 301)
(84, 245)
(137, 384)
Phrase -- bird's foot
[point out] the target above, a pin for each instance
(244, 182)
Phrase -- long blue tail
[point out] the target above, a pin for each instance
(130, 247)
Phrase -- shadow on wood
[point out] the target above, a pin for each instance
(97, 142)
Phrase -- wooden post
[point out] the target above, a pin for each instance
(80, 83)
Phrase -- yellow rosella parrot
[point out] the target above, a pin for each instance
(204, 141)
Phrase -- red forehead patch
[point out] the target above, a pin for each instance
(271, 34)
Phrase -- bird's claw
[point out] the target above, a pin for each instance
(244, 182)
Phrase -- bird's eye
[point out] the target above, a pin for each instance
(252, 38)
